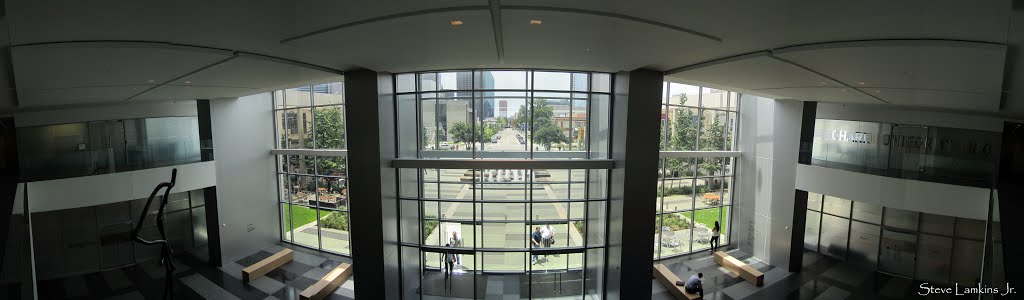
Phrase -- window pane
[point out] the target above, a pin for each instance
(329, 127)
(501, 80)
(405, 83)
(682, 94)
(601, 82)
(329, 93)
(559, 81)
(681, 134)
(334, 231)
(675, 233)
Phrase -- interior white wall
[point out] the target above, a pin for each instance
(914, 195)
(106, 112)
(246, 182)
(769, 139)
(94, 190)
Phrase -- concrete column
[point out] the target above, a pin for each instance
(636, 107)
(370, 110)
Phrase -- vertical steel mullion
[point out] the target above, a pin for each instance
(277, 160)
(700, 117)
(472, 121)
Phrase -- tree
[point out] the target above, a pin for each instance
(460, 132)
(328, 133)
(545, 131)
(713, 139)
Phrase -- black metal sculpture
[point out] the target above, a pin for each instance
(165, 252)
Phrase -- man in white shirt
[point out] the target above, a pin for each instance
(547, 235)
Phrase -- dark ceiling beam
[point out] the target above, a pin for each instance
(499, 39)
(388, 17)
(615, 16)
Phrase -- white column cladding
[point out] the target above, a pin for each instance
(245, 173)
(769, 139)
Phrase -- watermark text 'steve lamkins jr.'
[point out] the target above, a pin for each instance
(927, 289)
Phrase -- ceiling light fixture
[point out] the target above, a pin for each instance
(188, 81)
(860, 83)
(151, 81)
(456, 22)
(535, 22)
(842, 90)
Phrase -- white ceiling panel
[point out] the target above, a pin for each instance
(253, 72)
(823, 94)
(571, 40)
(937, 98)
(182, 92)
(951, 66)
(756, 72)
(106, 64)
(77, 96)
(414, 43)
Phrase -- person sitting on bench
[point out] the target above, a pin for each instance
(694, 285)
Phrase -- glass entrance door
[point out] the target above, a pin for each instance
(898, 253)
(560, 279)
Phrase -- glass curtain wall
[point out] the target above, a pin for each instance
(531, 233)
(312, 183)
(694, 190)
(928, 247)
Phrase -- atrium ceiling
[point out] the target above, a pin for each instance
(944, 54)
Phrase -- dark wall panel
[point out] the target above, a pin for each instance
(636, 106)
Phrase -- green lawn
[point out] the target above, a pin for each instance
(303, 215)
(709, 216)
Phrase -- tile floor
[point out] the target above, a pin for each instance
(822, 277)
(196, 280)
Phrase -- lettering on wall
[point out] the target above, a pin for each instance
(927, 153)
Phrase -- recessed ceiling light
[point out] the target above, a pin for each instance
(823, 83)
(843, 90)
(151, 81)
(188, 81)
(456, 22)
(878, 91)
(535, 22)
(860, 83)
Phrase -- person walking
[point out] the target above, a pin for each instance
(455, 241)
(715, 232)
(548, 235)
(535, 239)
(449, 260)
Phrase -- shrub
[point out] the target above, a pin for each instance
(673, 221)
(335, 220)
(428, 226)
(579, 226)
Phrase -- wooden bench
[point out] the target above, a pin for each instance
(741, 269)
(267, 264)
(667, 278)
(328, 283)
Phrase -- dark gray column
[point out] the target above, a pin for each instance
(370, 112)
(636, 108)
(796, 242)
(1011, 175)
(210, 193)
